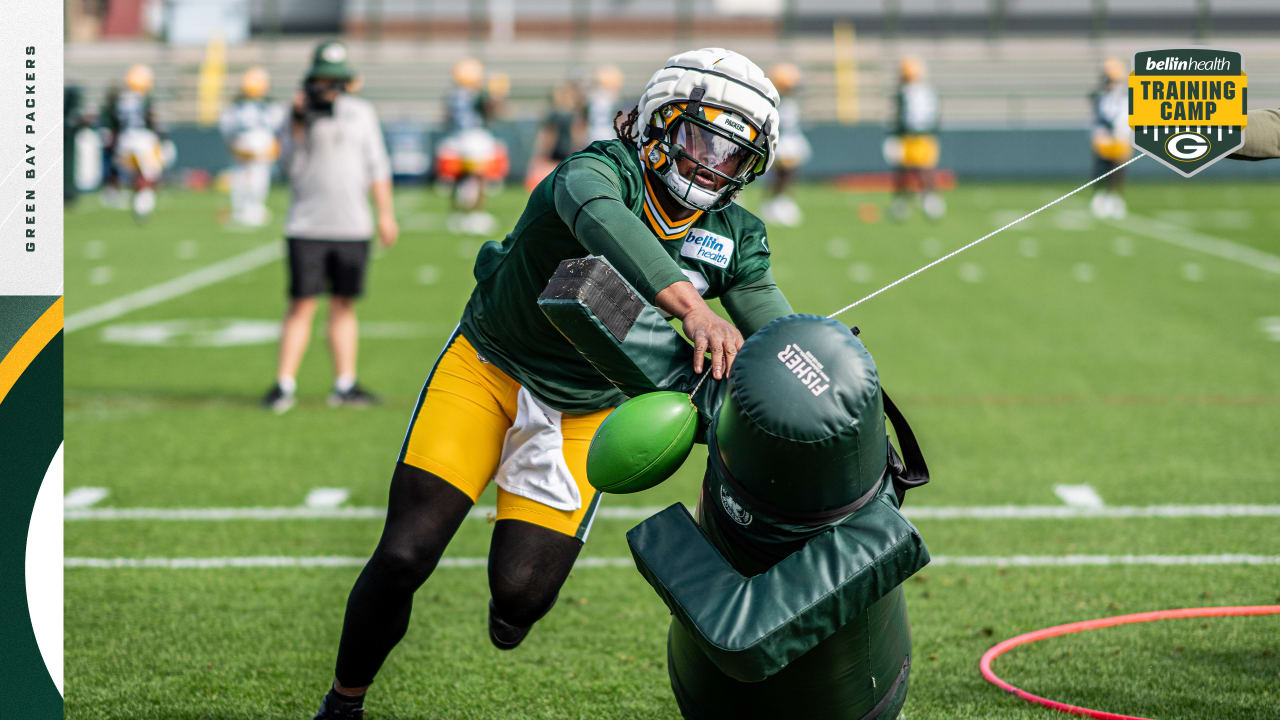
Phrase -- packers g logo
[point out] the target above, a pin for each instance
(1187, 146)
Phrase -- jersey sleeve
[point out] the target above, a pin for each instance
(754, 304)
(587, 194)
(753, 298)
(377, 162)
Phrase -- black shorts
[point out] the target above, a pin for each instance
(333, 266)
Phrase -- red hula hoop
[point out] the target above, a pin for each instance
(1075, 627)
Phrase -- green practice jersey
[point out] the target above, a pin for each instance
(599, 202)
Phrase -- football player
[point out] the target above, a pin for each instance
(511, 400)
(912, 148)
(793, 149)
(134, 142)
(469, 156)
(251, 126)
(603, 103)
(1110, 138)
(560, 134)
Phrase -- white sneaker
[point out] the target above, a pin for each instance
(144, 203)
(934, 206)
(1099, 204)
(782, 210)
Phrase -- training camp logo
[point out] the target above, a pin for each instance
(1187, 106)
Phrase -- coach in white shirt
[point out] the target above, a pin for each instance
(334, 158)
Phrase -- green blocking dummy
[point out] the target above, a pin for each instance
(785, 593)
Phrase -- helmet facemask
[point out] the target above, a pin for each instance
(704, 154)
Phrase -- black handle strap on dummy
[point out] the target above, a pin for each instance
(909, 470)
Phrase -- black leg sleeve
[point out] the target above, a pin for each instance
(423, 513)
(527, 566)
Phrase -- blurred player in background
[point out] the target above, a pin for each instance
(604, 100)
(512, 402)
(1110, 138)
(560, 134)
(912, 148)
(793, 149)
(134, 143)
(251, 126)
(333, 157)
(470, 157)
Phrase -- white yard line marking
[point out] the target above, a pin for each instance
(964, 512)
(1270, 326)
(156, 294)
(331, 561)
(1208, 244)
(326, 497)
(83, 497)
(1083, 496)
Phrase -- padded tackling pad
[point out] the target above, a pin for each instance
(752, 627)
(625, 338)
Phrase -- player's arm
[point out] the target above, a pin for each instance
(755, 303)
(378, 166)
(588, 198)
(1261, 137)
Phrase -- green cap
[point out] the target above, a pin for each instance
(330, 62)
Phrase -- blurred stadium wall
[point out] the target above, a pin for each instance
(1013, 75)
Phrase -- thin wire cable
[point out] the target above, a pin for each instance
(953, 253)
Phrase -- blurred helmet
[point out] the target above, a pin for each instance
(911, 69)
(330, 62)
(785, 76)
(609, 77)
(1114, 69)
(255, 83)
(139, 78)
(716, 109)
(468, 73)
(499, 85)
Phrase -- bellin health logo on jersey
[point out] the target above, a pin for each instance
(1187, 106)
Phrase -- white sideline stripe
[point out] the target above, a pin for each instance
(1083, 496)
(326, 497)
(1208, 244)
(971, 512)
(279, 561)
(176, 287)
(83, 497)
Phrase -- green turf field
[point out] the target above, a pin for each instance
(1139, 358)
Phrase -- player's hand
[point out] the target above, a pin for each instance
(388, 229)
(710, 332)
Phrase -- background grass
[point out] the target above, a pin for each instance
(1065, 350)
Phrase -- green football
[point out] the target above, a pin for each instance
(642, 443)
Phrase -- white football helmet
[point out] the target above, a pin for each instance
(715, 113)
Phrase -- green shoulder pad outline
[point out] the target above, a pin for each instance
(752, 627)
(593, 306)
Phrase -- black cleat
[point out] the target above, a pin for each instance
(356, 396)
(504, 635)
(337, 710)
(277, 400)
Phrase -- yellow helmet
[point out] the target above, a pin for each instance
(1114, 69)
(609, 77)
(785, 76)
(911, 69)
(468, 73)
(255, 83)
(499, 85)
(139, 78)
